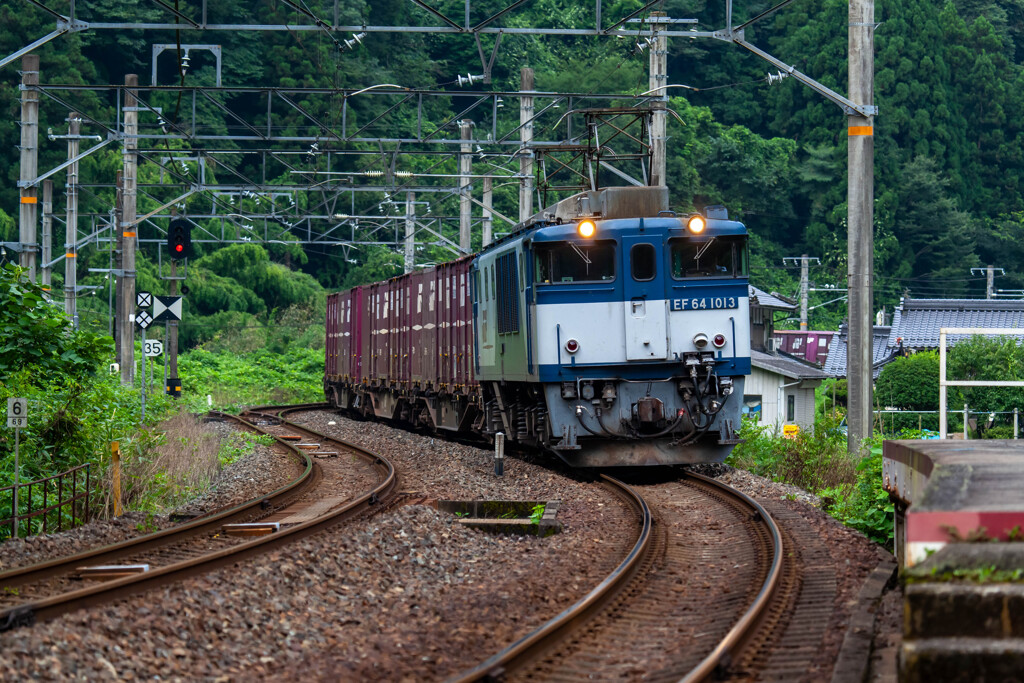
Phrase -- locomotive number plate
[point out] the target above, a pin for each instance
(704, 303)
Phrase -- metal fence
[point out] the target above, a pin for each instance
(54, 503)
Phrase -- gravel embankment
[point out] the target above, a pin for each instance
(411, 595)
(253, 475)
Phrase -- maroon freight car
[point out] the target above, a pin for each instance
(403, 348)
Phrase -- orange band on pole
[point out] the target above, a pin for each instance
(70, 255)
(860, 130)
(129, 234)
(29, 200)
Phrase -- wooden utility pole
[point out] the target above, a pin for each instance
(29, 163)
(127, 229)
(860, 203)
(657, 82)
(526, 138)
(71, 227)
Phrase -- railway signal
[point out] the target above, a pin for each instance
(179, 239)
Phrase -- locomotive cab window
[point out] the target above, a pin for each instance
(709, 257)
(565, 262)
(643, 262)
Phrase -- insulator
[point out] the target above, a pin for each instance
(373, 174)
(776, 77)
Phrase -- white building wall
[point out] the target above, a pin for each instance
(766, 385)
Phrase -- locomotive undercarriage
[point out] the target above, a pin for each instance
(587, 423)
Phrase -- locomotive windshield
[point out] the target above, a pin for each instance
(572, 262)
(709, 257)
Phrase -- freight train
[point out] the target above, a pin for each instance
(606, 329)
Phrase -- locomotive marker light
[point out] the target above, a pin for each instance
(572, 346)
(586, 228)
(700, 340)
(696, 224)
(718, 341)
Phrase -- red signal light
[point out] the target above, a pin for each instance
(179, 248)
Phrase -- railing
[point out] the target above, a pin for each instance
(70, 491)
(944, 383)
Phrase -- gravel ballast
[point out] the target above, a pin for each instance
(408, 595)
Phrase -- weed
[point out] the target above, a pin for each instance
(537, 514)
(147, 525)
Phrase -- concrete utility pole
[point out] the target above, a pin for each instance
(29, 163)
(410, 231)
(71, 229)
(526, 137)
(465, 169)
(805, 284)
(488, 218)
(860, 203)
(658, 79)
(990, 282)
(47, 255)
(127, 228)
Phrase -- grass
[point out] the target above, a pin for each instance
(850, 487)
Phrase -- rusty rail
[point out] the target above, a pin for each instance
(79, 500)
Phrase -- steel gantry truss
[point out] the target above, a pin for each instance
(476, 20)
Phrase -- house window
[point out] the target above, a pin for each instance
(751, 407)
(791, 408)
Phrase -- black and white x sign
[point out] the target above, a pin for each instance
(144, 299)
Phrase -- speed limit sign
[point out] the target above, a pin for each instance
(17, 412)
(154, 347)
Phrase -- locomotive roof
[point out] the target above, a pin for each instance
(668, 225)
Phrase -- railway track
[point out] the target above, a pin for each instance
(657, 598)
(319, 498)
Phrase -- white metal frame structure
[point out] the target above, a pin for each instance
(944, 383)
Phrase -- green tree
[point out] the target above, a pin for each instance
(910, 383)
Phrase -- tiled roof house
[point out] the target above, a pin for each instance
(916, 322)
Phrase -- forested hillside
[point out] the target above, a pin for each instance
(949, 137)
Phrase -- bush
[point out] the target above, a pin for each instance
(813, 460)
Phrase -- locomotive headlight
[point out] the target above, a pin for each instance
(700, 340)
(718, 341)
(696, 224)
(572, 346)
(586, 228)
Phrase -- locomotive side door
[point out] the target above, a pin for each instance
(646, 308)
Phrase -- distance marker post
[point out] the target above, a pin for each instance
(17, 417)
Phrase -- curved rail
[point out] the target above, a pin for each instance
(50, 568)
(52, 607)
(739, 635)
(532, 644)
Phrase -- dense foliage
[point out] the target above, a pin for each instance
(948, 139)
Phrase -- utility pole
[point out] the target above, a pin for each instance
(71, 228)
(47, 255)
(465, 169)
(805, 262)
(658, 79)
(990, 279)
(488, 203)
(860, 219)
(29, 163)
(526, 137)
(127, 229)
(172, 337)
(410, 231)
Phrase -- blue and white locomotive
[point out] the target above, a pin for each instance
(613, 332)
(607, 330)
